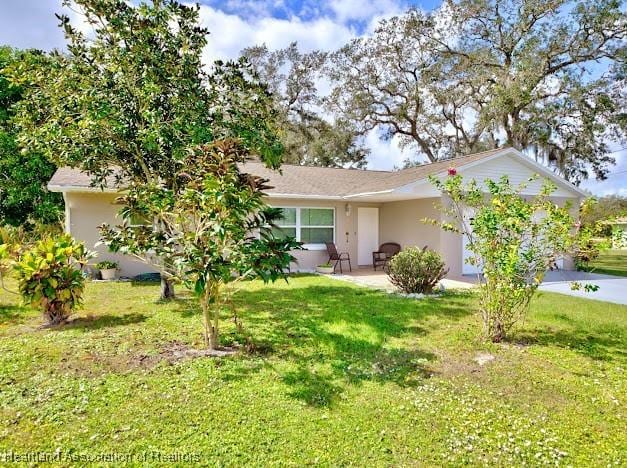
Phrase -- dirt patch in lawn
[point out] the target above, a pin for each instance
(467, 364)
(93, 363)
(177, 351)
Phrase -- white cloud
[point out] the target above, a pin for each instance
(347, 10)
(231, 33)
(385, 154)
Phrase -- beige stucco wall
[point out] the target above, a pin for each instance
(86, 212)
(402, 222)
(89, 210)
(399, 221)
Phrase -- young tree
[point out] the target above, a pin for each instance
(24, 198)
(541, 76)
(130, 100)
(513, 239)
(309, 137)
(218, 227)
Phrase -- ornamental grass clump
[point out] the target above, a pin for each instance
(415, 270)
(50, 278)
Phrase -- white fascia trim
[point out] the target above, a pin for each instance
(68, 215)
(407, 188)
(78, 188)
(369, 194)
(301, 196)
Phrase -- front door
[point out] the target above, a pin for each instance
(367, 234)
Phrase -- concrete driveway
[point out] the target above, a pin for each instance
(611, 288)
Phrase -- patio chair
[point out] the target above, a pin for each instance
(338, 258)
(382, 256)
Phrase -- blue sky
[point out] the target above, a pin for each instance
(236, 24)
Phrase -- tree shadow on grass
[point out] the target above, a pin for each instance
(187, 306)
(600, 344)
(144, 284)
(330, 336)
(11, 313)
(95, 322)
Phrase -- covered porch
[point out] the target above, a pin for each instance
(361, 225)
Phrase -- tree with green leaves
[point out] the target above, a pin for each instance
(310, 137)
(128, 102)
(219, 227)
(513, 239)
(24, 199)
(605, 208)
(541, 76)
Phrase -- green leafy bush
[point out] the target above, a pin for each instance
(415, 270)
(26, 236)
(106, 265)
(50, 278)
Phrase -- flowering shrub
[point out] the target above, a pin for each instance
(415, 270)
(512, 238)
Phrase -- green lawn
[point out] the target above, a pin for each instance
(611, 262)
(339, 375)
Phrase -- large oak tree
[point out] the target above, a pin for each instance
(542, 76)
(309, 134)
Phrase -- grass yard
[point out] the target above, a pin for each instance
(611, 262)
(340, 375)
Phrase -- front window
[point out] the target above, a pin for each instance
(311, 226)
(286, 225)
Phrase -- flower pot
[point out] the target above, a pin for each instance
(325, 270)
(108, 274)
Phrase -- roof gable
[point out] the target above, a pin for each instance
(519, 169)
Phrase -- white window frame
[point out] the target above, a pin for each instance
(298, 224)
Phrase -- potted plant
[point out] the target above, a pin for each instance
(325, 268)
(108, 269)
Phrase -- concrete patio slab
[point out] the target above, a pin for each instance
(611, 288)
(379, 280)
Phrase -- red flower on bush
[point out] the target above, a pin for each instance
(452, 171)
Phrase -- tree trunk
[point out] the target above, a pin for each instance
(55, 314)
(167, 289)
(211, 315)
(498, 332)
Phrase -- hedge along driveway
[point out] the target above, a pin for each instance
(335, 374)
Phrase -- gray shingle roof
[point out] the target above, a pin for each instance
(307, 180)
